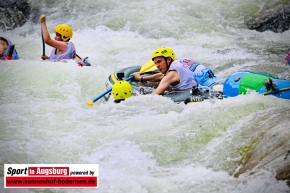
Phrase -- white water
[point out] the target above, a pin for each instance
(146, 143)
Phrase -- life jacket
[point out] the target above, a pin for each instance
(70, 53)
(10, 53)
(191, 74)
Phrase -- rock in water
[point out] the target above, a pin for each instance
(14, 13)
(271, 151)
(276, 20)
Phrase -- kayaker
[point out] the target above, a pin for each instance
(7, 50)
(288, 58)
(179, 74)
(62, 48)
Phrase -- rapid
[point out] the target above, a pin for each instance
(147, 144)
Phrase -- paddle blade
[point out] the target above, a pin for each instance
(148, 67)
(90, 103)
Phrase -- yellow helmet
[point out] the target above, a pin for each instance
(65, 31)
(122, 90)
(165, 52)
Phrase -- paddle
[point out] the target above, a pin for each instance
(85, 61)
(43, 45)
(142, 70)
(279, 90)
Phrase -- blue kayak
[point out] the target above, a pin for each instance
(241, 82)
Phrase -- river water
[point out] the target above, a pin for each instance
(147, 143)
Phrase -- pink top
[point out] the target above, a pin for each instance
(70, 53)
(191, 74)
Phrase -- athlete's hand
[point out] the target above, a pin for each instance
(136, 75)
(44, 57)
(42, 18)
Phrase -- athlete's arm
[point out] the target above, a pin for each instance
(171, 77)
(62, 46)
(153, 78)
